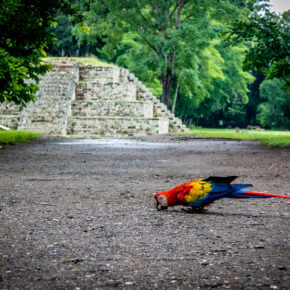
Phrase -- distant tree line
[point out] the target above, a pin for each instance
(213, 62)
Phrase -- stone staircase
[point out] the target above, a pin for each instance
(159, 109)
(10, 115)
(93, 101)
(106, 104)
(49, 112)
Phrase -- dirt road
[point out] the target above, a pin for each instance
(78, 214)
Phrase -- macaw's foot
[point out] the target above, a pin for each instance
(199, 209)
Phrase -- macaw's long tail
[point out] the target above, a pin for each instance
(263, 194)
(254, 194)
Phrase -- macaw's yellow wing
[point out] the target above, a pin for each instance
(204, 191)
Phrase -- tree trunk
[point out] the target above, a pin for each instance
(166, 90)
(175, 98)
(78, 50)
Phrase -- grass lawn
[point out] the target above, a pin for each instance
(92, 60)
(268, 138)
(12, 137)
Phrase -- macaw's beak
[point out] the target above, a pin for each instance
(158, 206)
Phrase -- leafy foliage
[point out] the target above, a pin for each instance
(275, 111)
(173, 46)
(226, 90)
(23, 40)
(269, 37)
(163, 37)
(66, 43)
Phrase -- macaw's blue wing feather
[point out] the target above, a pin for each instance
(227, 179)
(209, 198)
(237, 187)
(217, 187)
(218, 190)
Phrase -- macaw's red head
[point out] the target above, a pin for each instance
(160, 200)
(164, 199)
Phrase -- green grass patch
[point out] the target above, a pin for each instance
(267, 138)
(92, 60)
(12, 137)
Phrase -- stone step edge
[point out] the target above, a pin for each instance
(165, 113)
(83, 101)
(4, 116)
(145, 93)
(116, 118)
(95, 99)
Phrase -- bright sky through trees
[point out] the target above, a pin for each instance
(279, 6)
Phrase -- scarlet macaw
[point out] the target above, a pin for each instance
(201, 192)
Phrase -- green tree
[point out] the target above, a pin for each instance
(23, 40)
(224, 89)
(254, 98)
(275, 111)
(168, 35)
(71, 39)
(67, 44)
(268, 35)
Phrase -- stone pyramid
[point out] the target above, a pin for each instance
(91, 101)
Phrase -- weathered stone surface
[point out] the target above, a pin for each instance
(96, 91)
(112, 108)
(7, 108)
(52, 106)
(87, 100)
(10, 114)
(104, 75)
(117, 126)
(9, 121)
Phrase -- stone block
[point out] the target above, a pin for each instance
(117, 126)
(9, 108)
(10, 121)
(112, 108)
(103, 75)
(96, 91)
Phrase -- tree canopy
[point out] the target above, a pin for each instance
(274, 111)
(269, 37)
(23, 40)
(166, 36)
(205, 59)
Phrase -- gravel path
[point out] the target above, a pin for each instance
(78, 214)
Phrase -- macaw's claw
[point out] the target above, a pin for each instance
(199, 209)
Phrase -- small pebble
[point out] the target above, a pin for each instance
(128, 283)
